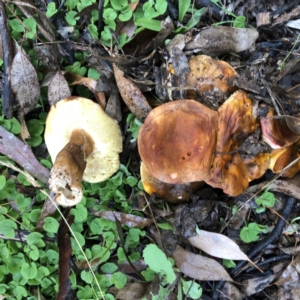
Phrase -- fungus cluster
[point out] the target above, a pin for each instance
(84, 143)
(184, 141)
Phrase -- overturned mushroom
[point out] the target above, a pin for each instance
(84, 143)
(184, 141)
(282, 157)
(276, 132)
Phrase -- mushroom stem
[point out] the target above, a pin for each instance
(67, 171)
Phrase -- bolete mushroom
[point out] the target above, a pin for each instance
(84, 143)
(184, 141)
(177, 141)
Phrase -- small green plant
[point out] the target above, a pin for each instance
(251, 232)
(191, 289)
(159, 263)
(134, 126)
(266, 199)
(228, 263)
(238, 21)
(51, 10)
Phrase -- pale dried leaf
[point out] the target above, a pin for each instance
(132, 96)
(225, 40)
(125, 219)
(58, 88)
(288, 277)
(256, 285)
(135, 290)
(230, 291)
(199, 267)
(218, 245)
(24, 82)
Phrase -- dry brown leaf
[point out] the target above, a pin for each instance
(125, 219)
(218, 245)
(132, 96)
(289, 277)
(24, 82)
(135, 290)
(256, 285)
(58, 88)
(199, 267)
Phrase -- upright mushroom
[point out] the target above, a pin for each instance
(177, 141)
(84, 143)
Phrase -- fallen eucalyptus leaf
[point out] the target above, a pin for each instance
(58, 88)
(199, 267)
(135, 290)
(24, 82)
(132, 96)
(217, 245)
(124, 219)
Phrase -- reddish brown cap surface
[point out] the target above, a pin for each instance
(177, 141)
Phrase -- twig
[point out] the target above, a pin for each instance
(7, 97)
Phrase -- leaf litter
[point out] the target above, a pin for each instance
(140, 102)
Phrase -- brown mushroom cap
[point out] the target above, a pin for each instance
(177, 141)
(208, 74)
(174, 193)
(84, 143)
